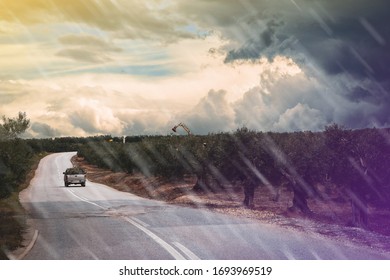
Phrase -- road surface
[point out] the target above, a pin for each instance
(98, 222)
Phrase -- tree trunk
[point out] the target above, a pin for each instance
(277, 192)
(359, 206)
(299, 195)
(300, 201)
(359, 212)
(249, 192)
(200, 184)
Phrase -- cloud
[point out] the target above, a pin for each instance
(337, 36)
(341, 45)
(297, 101)
(263, 95)
(212, 113)
(43, 130)
(282, 87)
(215, 65)
(87, 40)
(84, 55)
(95, 118)
(146, 122)
(334, 36)
(299, 118)
(265, 43)
(133, 19)
(86, 48)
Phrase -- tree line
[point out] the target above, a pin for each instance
(354, 162)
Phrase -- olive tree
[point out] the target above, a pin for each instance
(11, 128)
(14, 153)
(360, 166)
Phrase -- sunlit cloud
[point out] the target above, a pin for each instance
(137, 67)
(86, 48)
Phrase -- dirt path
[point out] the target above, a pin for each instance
(329, 218)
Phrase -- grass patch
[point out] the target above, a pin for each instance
(13, 216)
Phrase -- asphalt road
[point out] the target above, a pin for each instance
(98, 222)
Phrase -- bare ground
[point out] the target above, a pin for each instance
(330, 218)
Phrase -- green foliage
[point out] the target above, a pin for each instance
(15, 155)
(360, 161)
(15, 162)
(13, 127)
(301, 160)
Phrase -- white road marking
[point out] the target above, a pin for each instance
(26, 250)
(142, 226)
(186, 251)
(174, 253)
(140, 222)
(86, 200)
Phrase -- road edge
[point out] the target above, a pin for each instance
(15, 256)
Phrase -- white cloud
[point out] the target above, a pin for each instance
(212, 114)
(196, 85)
(282, 87)
(301, 117)
(94, 117)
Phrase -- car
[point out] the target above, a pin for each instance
(74, 175)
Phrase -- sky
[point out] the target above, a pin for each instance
(93, 67)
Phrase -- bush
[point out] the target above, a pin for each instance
(15, 162)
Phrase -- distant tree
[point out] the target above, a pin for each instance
(14, 153)
(360, 166)
(196, 154)
(249, 161)
(11, 128)
(298, 160)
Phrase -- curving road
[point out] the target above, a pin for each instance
(98, 222)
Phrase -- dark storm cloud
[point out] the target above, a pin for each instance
(263, 44)
(349, 48)
(44, 131)
(339, 36)
(342, 44)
